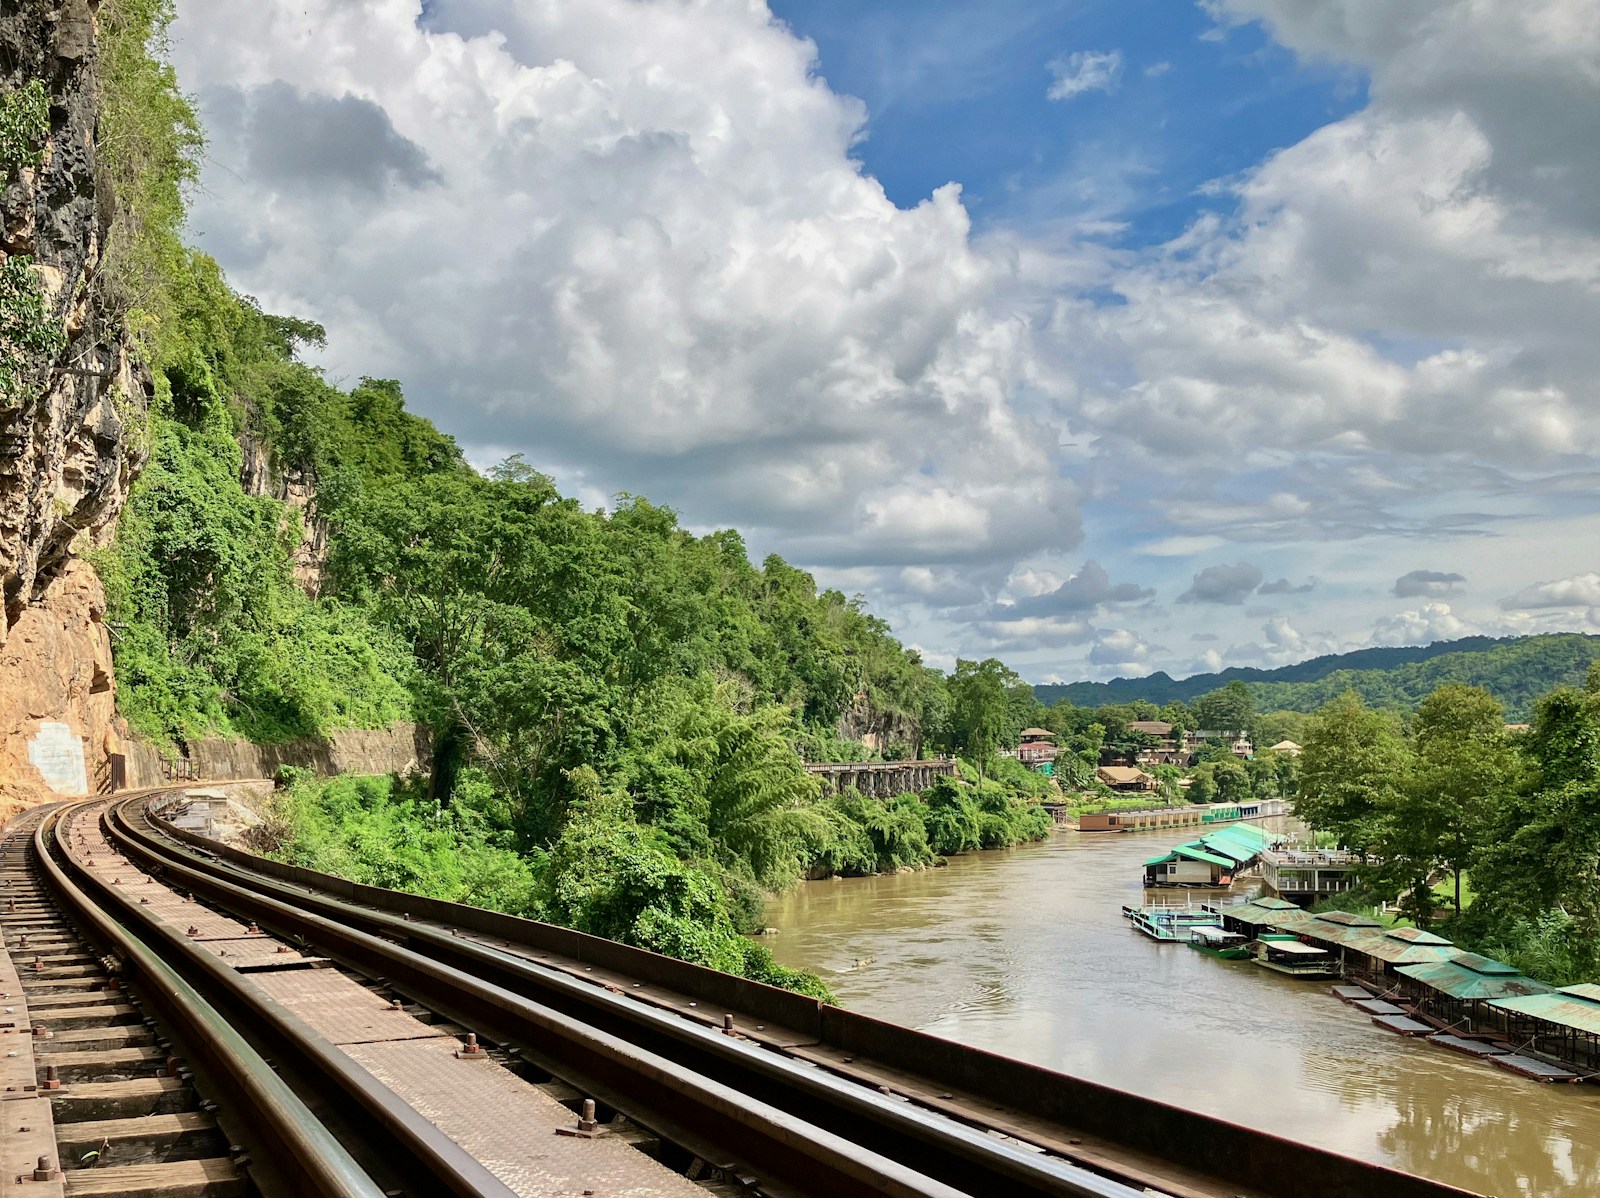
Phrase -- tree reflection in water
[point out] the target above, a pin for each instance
(1464, 1140)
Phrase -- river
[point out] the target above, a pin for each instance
(1025, 952)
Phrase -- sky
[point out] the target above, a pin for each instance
(1102, 336)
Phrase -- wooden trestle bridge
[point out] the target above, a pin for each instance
(882, 779)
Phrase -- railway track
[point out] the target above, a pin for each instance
(418, 1047)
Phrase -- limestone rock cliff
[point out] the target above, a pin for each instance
(72, 402)
(58, 725)
(65, 456)
(297, 491)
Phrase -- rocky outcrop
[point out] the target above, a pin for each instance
(58, 725)
(65, 456)
(296, 489)
(878, 730)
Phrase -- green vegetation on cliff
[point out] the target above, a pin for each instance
(616, 705)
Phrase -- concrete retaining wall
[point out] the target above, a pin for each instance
(399, 749)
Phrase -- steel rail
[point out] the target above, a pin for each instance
(1218, 1157)
(869, 1128)
(433, 1160)
(288, 1144)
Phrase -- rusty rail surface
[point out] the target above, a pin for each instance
(809, 1132)
(1202, 1155)
(291, 1149)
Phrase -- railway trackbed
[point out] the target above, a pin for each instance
(288, 1033)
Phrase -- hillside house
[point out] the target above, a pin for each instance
(1172, 747)
(1240, 746)
(1126, 779)
(1038, 749)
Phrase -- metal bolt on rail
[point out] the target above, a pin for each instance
(46, 1170)
(472, 1050)
(588, 1126)
(51, 1081)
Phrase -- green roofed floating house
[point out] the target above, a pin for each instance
(1284, 953)
(1212, 861)
(1564, 1023)
(1457, 991)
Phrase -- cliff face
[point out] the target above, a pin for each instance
(297, 491)
(875, 729)
(65, 460)
(58, 724)
(72, 391)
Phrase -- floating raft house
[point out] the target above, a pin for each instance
(1469, 978)
(1564, 1023)
(1213, 860)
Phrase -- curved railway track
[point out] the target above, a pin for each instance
(336, 1031)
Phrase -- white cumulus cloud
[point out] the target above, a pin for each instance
(1581, 590)
(631, 239)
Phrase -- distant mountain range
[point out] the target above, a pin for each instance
(1516, 670)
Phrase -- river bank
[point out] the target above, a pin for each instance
(1024, 951)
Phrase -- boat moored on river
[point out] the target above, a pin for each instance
(1219, 942)
(1284, 953)
(1170, 924)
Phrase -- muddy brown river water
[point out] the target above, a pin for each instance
(1025, 952)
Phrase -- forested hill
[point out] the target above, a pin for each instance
(1516, 670)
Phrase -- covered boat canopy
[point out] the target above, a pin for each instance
(1404, 946)
(1469, 977)
(1265, 913)
(1577, 1007)
(1293, 948)
(1212, 934)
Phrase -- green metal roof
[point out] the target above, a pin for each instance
(1236, 843)
(1583, 990)
(1564, 1007)
(1241, 836)
(1415, 936)
(1267, 913)
(1395, 947)
(1349, 919)
(1332, 933)
(1193, 852)
(1487, 966)
(1469, 976)
(1198, 854)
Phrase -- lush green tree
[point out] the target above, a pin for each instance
(1181, 716)
(1353, 768)
(1273, 727)
(1463, 768)
(982, 717)
(1540, 851)
(1231, 710)
(1223, 780)
(953, 818)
